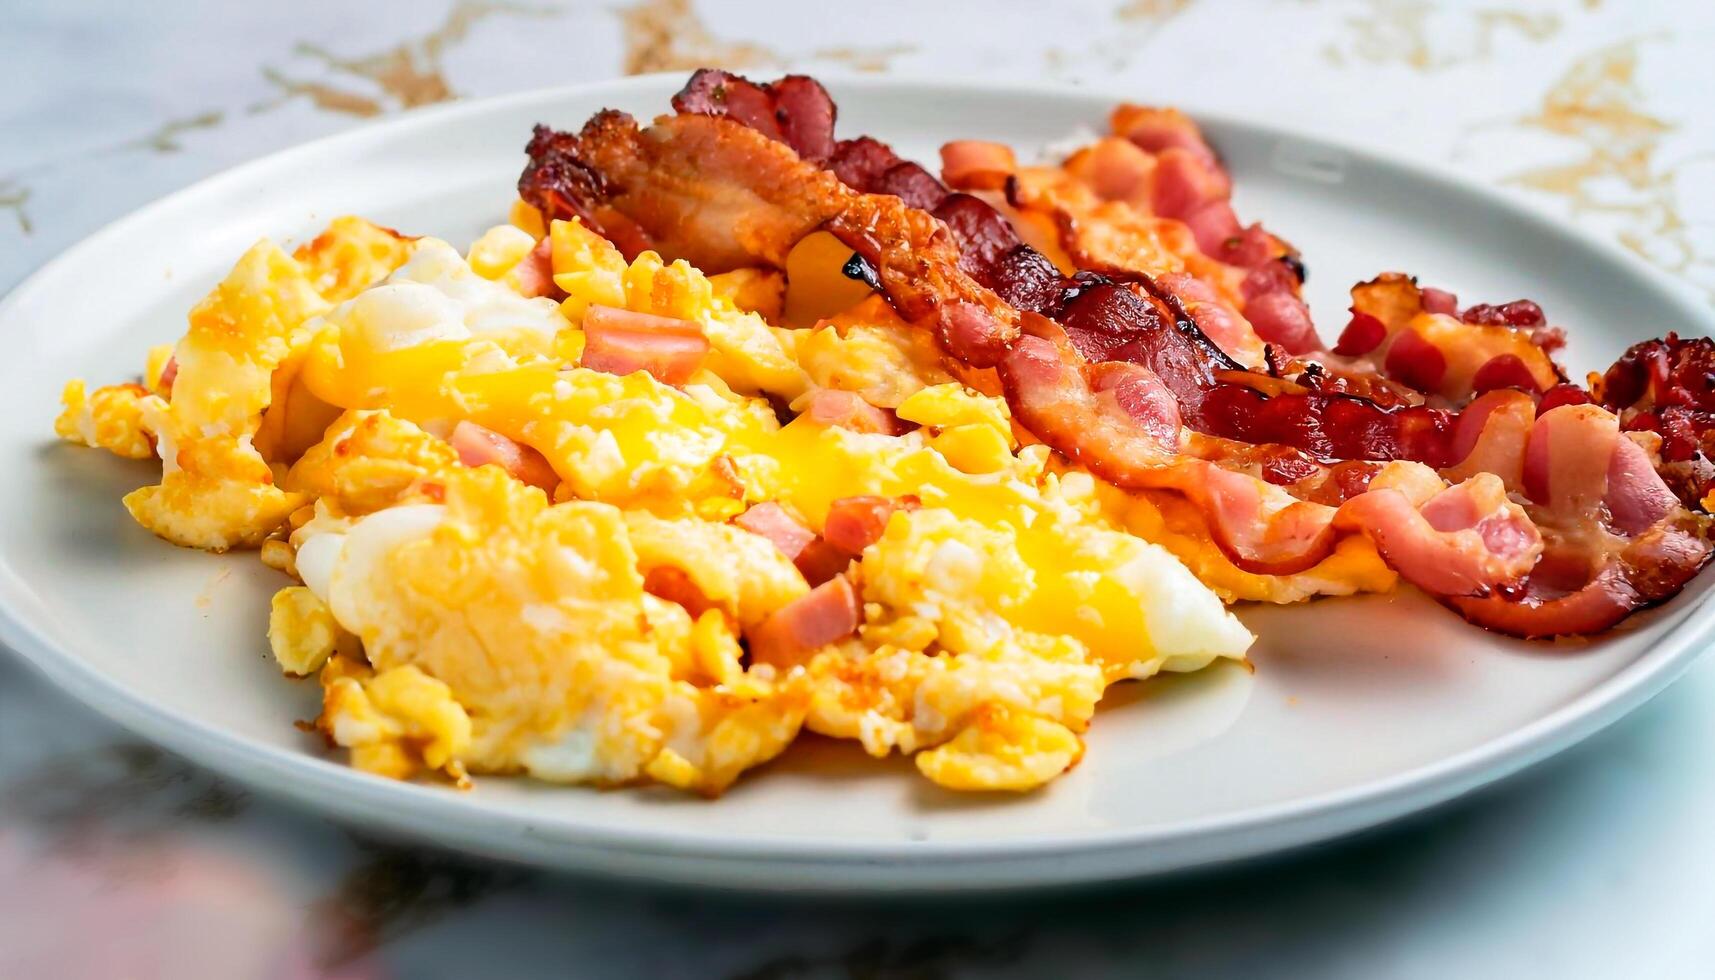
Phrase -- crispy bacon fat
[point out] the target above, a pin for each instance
(1449, 439)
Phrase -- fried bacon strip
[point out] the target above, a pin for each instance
(1111, 372)
(723, 196)
(1107, 203)
(1419, 338)
(1313, 416)
(989, 249)
(1159, 166)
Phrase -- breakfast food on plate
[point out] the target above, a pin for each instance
(737, 430)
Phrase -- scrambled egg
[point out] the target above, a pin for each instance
(597, 630)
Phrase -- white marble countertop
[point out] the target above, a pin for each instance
(118, 860)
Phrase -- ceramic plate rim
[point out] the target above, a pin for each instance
(414, 809)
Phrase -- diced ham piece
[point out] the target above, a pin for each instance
(772, 522)
(977, 164)
(818, 560)
(536, 270)
(622, 342)
(169, 372)
(821, 561)
(478, 445)
(675, 585)
(855, 523)
(830, 612)
(849, 411)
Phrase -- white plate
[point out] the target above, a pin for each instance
(1359, 711)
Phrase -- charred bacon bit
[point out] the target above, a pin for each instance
(990, 251)
(858, 268)
(796, 109)
(1518, 313)
(562, 187)
(1667, 387)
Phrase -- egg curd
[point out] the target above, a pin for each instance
(599, 621)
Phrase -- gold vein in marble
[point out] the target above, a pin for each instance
(1150, 10)
(1618, 170)
(869, 60)
(13, 197)
(404, 76)
(165, 137)
(1134, 24)
(326, 97)
(669, 35)
(1407, 32)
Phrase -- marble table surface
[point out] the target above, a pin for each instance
(120, 860)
